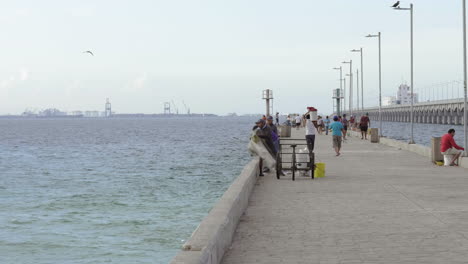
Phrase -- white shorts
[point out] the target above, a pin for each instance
(452, 151)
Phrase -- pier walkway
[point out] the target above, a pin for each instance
(377, 204)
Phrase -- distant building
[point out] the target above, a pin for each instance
(404, 95)
(91, 113)
(389, 100)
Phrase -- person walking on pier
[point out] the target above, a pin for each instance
(364, 124)
(327, 125)
(310, 127)
(337, 132)
(449, 147)
(298, 122)
(345, 124)
(320, 125)
(277, 118)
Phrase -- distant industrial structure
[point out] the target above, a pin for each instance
(107, 108)
(167, 108)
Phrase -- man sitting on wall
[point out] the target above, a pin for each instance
(449, 147)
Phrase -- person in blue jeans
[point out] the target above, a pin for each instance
(327, 125)
(337, 133)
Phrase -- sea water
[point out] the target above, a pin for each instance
(112, 190)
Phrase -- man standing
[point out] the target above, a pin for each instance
(277, 118)
(311, 126)
(298, 122)
(364, 124)
(337, 132)
(327, 125)
(345, 124)
(449, 147)
(320, 125)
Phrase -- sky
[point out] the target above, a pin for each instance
(216, 56)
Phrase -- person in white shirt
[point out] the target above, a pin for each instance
(298, 122)
(311, 127)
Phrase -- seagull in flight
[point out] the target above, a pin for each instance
(88, 51)
(396, 4)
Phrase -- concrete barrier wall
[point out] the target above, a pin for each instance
(213, 236)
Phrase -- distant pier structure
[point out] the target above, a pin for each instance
(108, 108)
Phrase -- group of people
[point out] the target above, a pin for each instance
(268, 131)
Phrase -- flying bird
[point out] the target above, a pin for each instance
(396, 4)
(88, 51)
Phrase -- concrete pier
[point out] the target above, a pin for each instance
(377, 204)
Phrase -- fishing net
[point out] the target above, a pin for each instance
(257, 147)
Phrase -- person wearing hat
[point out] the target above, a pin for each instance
(364, 124)
(311, 126)
(264, 132)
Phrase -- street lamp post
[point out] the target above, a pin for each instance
(412, 83)
(357, 90)
(362, 76)
(464, 78)
(379, 36)
(341, 82)
(350, 62)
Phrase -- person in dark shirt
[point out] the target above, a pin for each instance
(274, 133)
(263, 131)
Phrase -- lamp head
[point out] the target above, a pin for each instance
(355, 50)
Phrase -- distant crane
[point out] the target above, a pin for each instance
(186, 108)
(175, 107)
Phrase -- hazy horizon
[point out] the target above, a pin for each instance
(217, 57)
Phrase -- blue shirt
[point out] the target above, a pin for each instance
(327, 122)
(336, 128)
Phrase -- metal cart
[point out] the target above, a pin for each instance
(287, 158)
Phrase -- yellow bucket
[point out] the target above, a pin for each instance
(440, 163)
(319, 171)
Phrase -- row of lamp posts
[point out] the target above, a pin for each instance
(379, 35)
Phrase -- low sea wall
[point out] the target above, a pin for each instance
(213, 236)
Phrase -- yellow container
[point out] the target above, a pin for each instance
(319, 170)
(440, 163)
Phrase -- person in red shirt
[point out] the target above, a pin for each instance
(449, 147)
(364, 125)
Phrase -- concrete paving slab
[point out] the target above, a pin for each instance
(377, 204)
